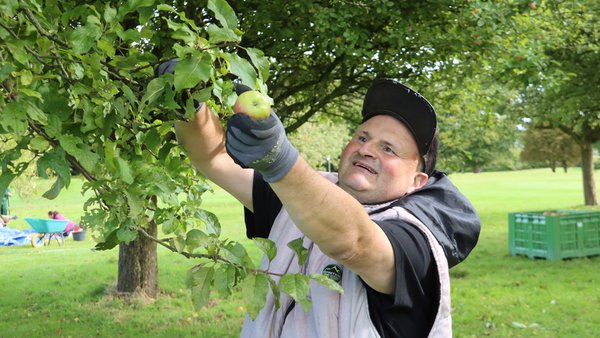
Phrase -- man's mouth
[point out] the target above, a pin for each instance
(364, 166)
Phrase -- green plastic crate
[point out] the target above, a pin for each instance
(555, 234)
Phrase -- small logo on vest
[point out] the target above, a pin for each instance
(334, 272)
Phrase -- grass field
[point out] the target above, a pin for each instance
(64, 291)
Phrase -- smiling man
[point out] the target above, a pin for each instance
(386, 228)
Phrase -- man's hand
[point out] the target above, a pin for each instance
(260, 144)
(166, 67)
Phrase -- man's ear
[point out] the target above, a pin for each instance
(419, 181)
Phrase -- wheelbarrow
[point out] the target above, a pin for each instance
(47, 230)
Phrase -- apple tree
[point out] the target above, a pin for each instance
(79, 95)
(547, 51)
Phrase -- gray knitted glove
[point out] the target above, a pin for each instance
(261, 145)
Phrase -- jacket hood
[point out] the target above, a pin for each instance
(447, 213)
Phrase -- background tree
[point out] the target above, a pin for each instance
(326, 53)
(551, 147)
(474, 131)
(321, 142)
(547, 51)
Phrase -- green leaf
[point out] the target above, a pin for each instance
(169, 99)
(56, 161)
(5, 178)
(79, 151)
(267, 246)
(191, 71)
(88, 121)
(235, 253)
(26, 77)
(179, 242)
(224, 13)
(30, 93)
(225, 278)
(200, 283)
(213, 227)
(53, 192)
(5, 71)
(196, 238)
(124, 170)
(218, 34)
(170, 225)
(202, 95)
(327, 282)
(126, 234)
(182, 32)
(128, 93)
(260, 62)
(256, 287)
(110, 241)
(153, 91)
(135, 4)
(109, 13)
(242, 68)
(107, 47)
(300, 251)
(296, 285)
(39, 143)
(276, 292)
(134, 202)
(14, 117)
(152, 139)
(164, 151)
(83, 38)
(163, 7)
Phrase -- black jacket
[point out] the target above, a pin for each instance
(448, 214)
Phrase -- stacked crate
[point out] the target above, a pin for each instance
(555, 234)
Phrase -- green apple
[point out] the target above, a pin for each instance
(254, 104)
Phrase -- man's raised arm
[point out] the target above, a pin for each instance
(203, 138)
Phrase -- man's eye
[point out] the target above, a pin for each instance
(389, 150)
(362, 138)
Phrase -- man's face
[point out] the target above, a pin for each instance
(380, 162)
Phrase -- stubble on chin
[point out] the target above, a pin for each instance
(355, 189)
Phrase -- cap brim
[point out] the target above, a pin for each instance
(390, 97)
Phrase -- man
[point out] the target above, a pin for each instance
(392, 265)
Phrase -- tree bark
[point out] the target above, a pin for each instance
(587, 169)
(138, 269)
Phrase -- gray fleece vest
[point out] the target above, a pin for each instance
(333, 315)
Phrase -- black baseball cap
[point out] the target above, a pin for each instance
(390, 97)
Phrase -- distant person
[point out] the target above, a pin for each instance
(6, 202)
(4, 212)
(53, 214)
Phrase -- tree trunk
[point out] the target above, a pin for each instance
(565, 165)
(138, 269)
(587, 168)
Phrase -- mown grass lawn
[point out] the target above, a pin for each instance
(65, 291)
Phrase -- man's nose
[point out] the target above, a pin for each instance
(366, 149)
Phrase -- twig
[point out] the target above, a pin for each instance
(191, 255)
(40, 29)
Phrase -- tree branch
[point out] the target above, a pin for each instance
(40, 29)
